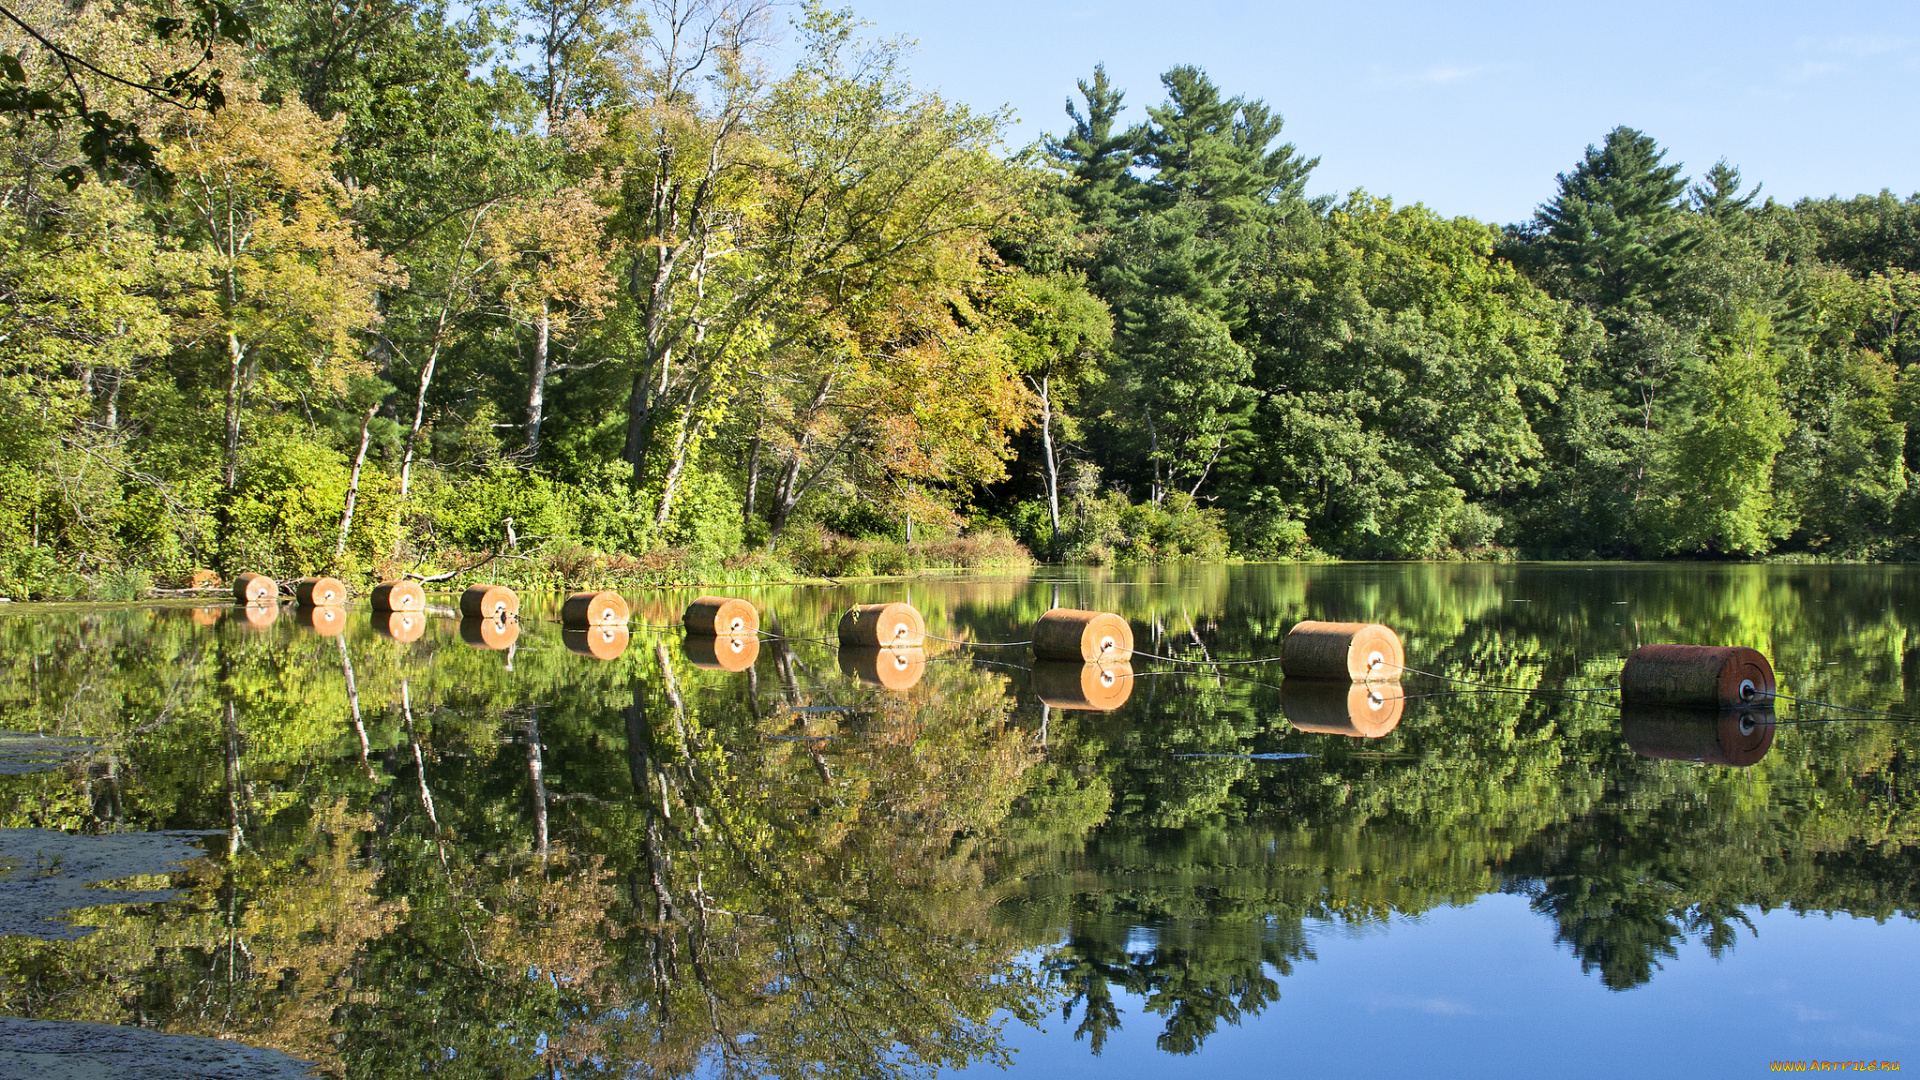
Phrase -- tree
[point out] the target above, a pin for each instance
(1058, 333)
(1098, 158)
(1717, 472)
(1614, 226)
(289, 285)
(1219, 150)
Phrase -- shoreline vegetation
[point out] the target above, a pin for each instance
(634, 293)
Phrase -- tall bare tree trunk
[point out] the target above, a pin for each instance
(537, 380)
(433, 354)
(353, 482)
(1044, 387)
(236, 389)
(536, 779)
(753, 478)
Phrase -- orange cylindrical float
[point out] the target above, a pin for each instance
(400, 625)
(313, 592)
(1087, 637)
(876, 626)
(716, 615)
(600, 642)
(1342, 650)
(399, 596)
(325, 621)
(724, 652)
(584, 609)
(251, 588)
(1359, 710)
(1735, 737)
(1702, 676)
(489, 633)
(888, 669)
(256, 616)
(489, 602)
(1096, 687)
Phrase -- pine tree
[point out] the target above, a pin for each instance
(1613, 226)
(1717, 194)
(1097, 156)
(1215, 148)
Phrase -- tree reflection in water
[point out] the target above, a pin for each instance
(573, 867)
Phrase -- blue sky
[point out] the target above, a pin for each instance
(1472, 108)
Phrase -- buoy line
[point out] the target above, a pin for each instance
(981, 644)
(1777, 696)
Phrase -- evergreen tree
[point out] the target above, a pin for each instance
(1096, 156)
(1717, 194)
(1216, 149)
(1613, 225)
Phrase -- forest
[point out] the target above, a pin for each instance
(655, 291)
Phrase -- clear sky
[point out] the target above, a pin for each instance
(1472, 108)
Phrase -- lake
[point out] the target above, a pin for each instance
(600, 855)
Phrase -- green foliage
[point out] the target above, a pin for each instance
(473, 513)
(1716, 478)
(284, 518)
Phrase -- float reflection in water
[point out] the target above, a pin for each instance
(489, 633)
(325, 621)
(599, 642)
(254, 616)
(403, 626)
(1091, 687)
(888, 669)
(726, 653)
(1735, 737)
(1358, 710)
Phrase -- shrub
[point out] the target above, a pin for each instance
(284, 517)
(706, 517)
(608, 514)
(471, 511)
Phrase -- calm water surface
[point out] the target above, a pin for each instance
(434, 857)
